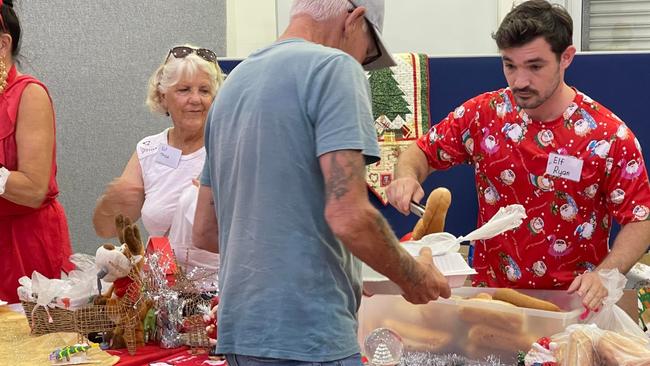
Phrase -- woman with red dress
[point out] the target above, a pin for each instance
(33, 228)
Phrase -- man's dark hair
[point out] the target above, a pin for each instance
(533, 19)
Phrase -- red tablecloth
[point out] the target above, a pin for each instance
(153, 354)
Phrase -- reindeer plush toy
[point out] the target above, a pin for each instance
(121, 266)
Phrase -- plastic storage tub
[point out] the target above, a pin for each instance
(471, 328)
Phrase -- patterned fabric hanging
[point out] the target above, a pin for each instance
(400, 106)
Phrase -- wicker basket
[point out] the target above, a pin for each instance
(62, 319)
(93, 318)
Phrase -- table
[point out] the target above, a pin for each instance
(18, 347)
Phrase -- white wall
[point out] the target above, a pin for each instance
(435, 27)
(251, 25)
(440, 27)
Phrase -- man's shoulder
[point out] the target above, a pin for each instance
(599, 111)
(309, 54)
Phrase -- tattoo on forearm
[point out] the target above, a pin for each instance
(391, 243)
(344, 169)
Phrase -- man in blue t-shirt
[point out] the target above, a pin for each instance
(283, 193)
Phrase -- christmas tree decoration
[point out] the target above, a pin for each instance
(385, 346)
(400, 108)
(382, 356)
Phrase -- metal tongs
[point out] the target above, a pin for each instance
(417, 209)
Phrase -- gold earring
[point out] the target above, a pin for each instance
(3, 76)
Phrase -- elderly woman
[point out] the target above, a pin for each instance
(33, 227)
(158, 183)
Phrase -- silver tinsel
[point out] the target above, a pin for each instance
(169, 306)
(175, 302)
(432, 359)
(170, 320)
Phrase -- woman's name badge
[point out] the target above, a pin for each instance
(169, 156)
(564, 166)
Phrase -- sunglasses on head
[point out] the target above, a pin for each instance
(184, 51)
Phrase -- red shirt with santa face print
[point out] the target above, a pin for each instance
(572, 175)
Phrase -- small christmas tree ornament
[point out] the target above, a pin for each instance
(384, 347)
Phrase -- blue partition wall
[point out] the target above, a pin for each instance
(618, 81)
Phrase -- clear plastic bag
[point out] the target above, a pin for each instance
(611, 317)
(610, 337)
(587, 344)
(71, 292)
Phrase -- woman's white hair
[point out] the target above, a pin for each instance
(172, 71)
(320, 9)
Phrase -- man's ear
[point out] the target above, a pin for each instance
(5, 45)
(566, 58)
(353, 19)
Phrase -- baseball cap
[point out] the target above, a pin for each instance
(375, 16)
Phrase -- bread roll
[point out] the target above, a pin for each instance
(418, 230)
(484, 336)
(474, 314)
(616, 349)
(418, 338)
(580, 350)
(433, 220)
(482, 295)
(525, 301)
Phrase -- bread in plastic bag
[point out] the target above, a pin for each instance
(586, 344)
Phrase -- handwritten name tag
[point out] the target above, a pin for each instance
(564, 166)
(169, 156)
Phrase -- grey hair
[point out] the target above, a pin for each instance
(320, 9)
(171, 72)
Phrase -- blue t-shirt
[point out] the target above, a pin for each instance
(289, 288)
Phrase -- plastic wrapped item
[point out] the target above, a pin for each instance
(586, 344)
(74, 291)
(638, 277)
(611, 317)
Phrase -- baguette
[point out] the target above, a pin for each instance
(433, 220)
(517, 298)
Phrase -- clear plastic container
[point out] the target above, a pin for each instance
(472, 328)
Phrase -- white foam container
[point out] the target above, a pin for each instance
(452, 266)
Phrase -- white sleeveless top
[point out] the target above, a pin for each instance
(170, 202)
(163, 185)
(180, 235)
